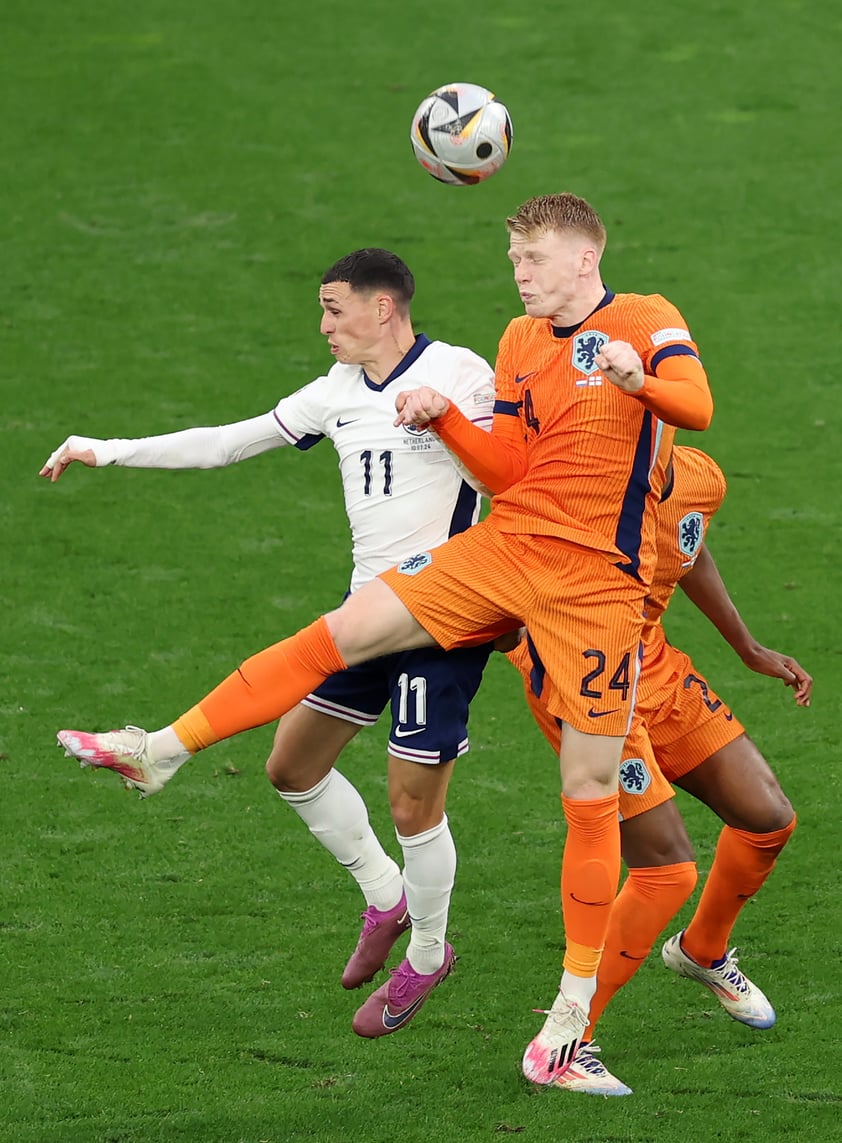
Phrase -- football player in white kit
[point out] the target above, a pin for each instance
(403, 494)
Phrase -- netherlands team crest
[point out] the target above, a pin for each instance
(634, 776)
(415, 564)
(691, 531)
(586, 346)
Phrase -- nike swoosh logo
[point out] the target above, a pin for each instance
(601, 713)
(392, 1021)
(406, 733)
(629, 956)
(581, 902)
(340, 424)
(525, 377)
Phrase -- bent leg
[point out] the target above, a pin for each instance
(307, 745)
(590, 868)
(738, 785)
(371, 622)
(417, 795)
(300, 767)
(662, 875)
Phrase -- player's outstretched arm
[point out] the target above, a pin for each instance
(420, 406)
(704, 587)
(211, 447)
(496, 459)
(82, 449)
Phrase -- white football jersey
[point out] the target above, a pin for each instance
(403, 491)
(403, 494)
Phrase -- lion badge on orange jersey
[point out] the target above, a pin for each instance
(691, 532)
(586, 346)
(634, 776)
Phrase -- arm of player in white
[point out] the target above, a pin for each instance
(211, 447)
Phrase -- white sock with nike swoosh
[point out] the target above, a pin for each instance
(428, 876)
(336, 816)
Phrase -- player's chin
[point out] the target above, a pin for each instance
(534, 308)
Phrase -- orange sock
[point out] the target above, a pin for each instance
(590, 872)
(645, 905)
(266, 686)
(742, 863)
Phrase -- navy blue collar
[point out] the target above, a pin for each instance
(421, 343)
(569, 330)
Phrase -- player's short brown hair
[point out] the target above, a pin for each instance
(374, 269)
(559, 212)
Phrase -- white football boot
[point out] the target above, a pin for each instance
(741, 999)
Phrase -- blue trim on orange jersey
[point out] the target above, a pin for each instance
(421, 343)
(463, 511)
(669, 484)
(630, 523)
(568, 330)
(671, 351)
(536, 675)
(511, 408)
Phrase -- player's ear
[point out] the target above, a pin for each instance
(589, 260)
(385, 308)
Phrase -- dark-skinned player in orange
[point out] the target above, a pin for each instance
(684, 733)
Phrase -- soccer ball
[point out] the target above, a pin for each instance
(461, 134)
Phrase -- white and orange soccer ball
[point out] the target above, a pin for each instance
(461, 134)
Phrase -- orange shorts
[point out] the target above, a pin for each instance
(685, 719)
(642, 785)
(584, 615)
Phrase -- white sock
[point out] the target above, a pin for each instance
(578, 988)
(165, 746)
(428, 876)
(336, 815)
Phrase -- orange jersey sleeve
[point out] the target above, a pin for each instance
(695, 494)
(498, 459)
(679, 394)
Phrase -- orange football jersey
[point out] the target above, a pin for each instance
(596, 456)
(695, 492)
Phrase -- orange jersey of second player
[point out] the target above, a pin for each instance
(596, 455)
(695, 492)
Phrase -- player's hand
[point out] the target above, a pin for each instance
(778, 666)
(74, 448)
(420, 406)
(509, 641)
(621, 364)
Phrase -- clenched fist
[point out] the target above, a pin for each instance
(420, 406)
(621, 364)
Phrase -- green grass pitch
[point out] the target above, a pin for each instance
(176, 177)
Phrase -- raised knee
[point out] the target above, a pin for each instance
(785, 813)
(777, 813)
(414, 815)
(274, 772)
(687, 877)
